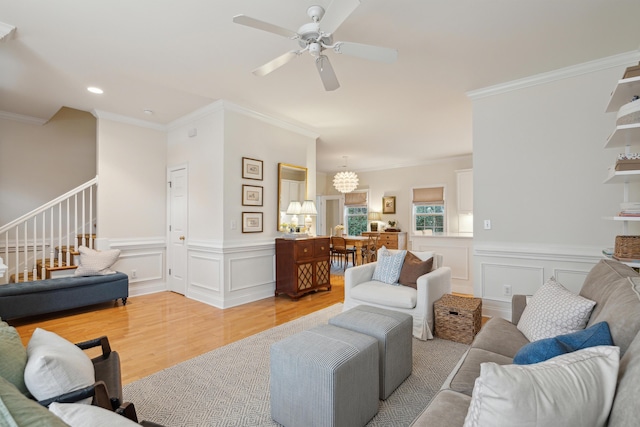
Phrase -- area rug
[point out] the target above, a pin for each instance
(229, 386)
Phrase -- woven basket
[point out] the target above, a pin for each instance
(458, 318)
(627, 247)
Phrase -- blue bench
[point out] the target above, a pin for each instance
(47, 296)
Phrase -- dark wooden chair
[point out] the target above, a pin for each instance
(340, 251)
(370, 249)
(107, 390)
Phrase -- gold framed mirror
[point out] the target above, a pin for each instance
(292, 186)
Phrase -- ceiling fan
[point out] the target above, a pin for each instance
(316, 37)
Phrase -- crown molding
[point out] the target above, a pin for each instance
(22, 118)
(100, 114)
(7, 31)
(628, 58)
(420, 162)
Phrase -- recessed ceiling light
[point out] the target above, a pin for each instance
(94, 89)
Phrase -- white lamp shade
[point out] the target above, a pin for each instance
(294, 208)
(308, 208)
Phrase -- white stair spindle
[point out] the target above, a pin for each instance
(92, 246)
(68, 233)
(25, 270)
(6, 255)
(35, 248)
(16, 250)
(59, 233)
(43, 270)
(51, 241)
(84, 219)
(75, 222)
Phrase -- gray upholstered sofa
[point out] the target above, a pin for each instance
(617, 298)
(51, 295)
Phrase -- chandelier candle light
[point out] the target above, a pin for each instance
(345, 182)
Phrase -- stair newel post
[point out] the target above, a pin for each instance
(84, 219)
(51, 241)
(44, 246)
(91, 218)
(35, 248)
(25, 270)
(68, 233)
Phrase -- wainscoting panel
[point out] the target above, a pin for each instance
(143, 260)
(525, 269)
(204, 272)
(456, 253)
(251, 271)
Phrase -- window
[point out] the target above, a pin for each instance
(428, 210)
(355, 213)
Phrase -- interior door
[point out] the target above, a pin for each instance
(178, 226)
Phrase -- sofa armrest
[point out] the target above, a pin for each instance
(432, 286)
(356, 275)
(518, 304)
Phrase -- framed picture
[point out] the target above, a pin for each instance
(389, 204)
(251, 195)
(252, 222)
(251, 168)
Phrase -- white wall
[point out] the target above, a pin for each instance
(39, 162)
(399, 181)
(539, 167)
(227, 267)
(132, 199)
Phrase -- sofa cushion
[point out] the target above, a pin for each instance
(412, 268)
(13, 357)
(464, 378)
(388, 295)
(77, 415)
(554, 310)
(96, 263)
(500, 336)
(18, 410)
(573, 389)
(626, 411)
(388, 266)
(621, 310)
(539, 351)
(597, 285)
(446, 409)
(56, 366)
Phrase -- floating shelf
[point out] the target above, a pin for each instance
(624, 91)
(623, 218)
(624, 135)
(622, 177)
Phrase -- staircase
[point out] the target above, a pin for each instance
(43, 243)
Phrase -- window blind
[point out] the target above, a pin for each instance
(355, 199)
(431, 195)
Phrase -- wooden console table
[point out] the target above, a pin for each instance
(390, 239)
(302, 266)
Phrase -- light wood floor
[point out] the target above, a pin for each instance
(156, 331)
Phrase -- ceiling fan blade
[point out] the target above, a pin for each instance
(264, 26)
(275, 63)
(365, 51)
(327, 75)
(337, 12)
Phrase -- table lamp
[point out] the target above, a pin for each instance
(294, 209)
(308, 209)
(374, 217)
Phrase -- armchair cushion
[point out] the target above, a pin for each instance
(13, 357)
(413, 268)
(382, 293)
(78, 415)
(388, 266)
(18, 410)
(56, 366)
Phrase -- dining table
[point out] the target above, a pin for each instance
(358, 242)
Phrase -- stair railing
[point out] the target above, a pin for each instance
(34, 236)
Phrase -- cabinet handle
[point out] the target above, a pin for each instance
(305, 249)
(322, 248)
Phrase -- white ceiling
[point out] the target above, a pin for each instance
(175, 56)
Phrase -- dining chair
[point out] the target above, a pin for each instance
(370, 249)
(339, 249)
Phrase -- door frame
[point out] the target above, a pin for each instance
(321, 202)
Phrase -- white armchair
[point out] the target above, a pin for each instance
(360, 289)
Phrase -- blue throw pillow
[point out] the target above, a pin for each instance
(388, 266)
(539, 351)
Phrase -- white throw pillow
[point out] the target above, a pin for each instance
(56, 366)
(96, 263)
(89, 416)
(553, 310)
(388, 266)
(574, 389)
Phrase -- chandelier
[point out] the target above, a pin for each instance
(345, 182)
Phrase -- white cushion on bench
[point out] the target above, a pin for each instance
(389, 295)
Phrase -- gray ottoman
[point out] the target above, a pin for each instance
(324, 376)
(393, 330)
